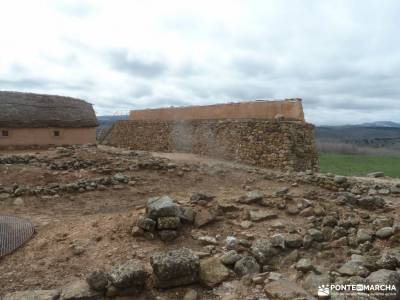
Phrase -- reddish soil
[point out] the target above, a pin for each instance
(77, 233)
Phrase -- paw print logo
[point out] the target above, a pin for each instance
(323, 290)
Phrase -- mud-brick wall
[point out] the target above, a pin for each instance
(264, 143)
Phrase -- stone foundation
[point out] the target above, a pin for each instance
(259, 142)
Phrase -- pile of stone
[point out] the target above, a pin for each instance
(163, 218)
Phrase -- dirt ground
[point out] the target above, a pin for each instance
(77, 233)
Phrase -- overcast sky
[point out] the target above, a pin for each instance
(341, 57)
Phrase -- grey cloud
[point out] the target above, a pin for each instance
(136, 66)
(43, 84)
(164, 102)
(77, 9)
(253, 67)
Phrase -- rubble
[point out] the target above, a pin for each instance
(154, 234)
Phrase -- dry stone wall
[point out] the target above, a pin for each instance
(264, 143)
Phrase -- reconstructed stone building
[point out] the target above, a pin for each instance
(33, 120)
(271, 134)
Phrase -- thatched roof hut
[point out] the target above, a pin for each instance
(18, 110)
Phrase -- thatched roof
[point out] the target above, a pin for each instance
(34, 110)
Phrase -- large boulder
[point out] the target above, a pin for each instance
(175, 268)
(386, 277)
(213, 272)
(164, 206)
(128, 275)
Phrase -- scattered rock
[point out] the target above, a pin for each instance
(247, 265)
(282, 191)
(98, 280)
(376, 174)
(197, 197)
(353, 268)
(363, 235)
(230, 257)
(204, 217)
(190, 295)
(263, 251)
(207, 240)
(212, 272)
(278, 241)
(340, 179)
(252, 197)
(285, 290)
(384, 232)
(4, 196)
(187, 215)
(19, 201)
(79, 290)
(246, 224)
(293, 240)
(316, 235)
(304, 265)
(261, 215)
(231, 242)
(312, 281)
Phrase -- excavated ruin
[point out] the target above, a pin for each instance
(120, 224)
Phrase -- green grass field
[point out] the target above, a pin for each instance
(354, 164)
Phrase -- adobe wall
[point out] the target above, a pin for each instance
(290, 109)
(20, 137)
(259, 142)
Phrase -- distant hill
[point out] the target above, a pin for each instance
(111, 119)
(105, 123)
(388, 124)
(376, 135)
